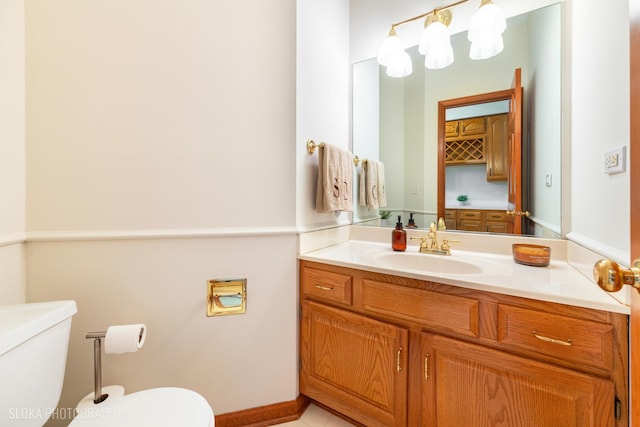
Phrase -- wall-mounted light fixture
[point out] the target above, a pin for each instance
(485, 35)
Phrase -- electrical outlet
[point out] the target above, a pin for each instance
(615, 160)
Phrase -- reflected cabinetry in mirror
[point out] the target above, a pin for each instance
(491, 221)
(479, 140)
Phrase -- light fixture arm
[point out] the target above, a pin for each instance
(434, 11)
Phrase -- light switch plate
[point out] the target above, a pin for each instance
(615, 160)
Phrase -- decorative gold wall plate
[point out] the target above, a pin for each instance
(226, 296)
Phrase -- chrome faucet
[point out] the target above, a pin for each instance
(430, 245)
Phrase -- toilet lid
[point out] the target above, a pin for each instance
(167, 406)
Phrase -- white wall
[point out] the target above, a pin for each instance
(160, 154)
(12, 147)
(322, 98)
(599, 122)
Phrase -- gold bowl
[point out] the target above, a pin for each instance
(534, 255)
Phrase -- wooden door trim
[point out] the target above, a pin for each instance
(634, 202)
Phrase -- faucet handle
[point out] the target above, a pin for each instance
(445, 244)
(423, 241)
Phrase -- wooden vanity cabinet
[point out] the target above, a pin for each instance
(469, 385)
(407, 352)
(493, 221)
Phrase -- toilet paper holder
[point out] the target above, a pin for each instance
(97, 337)
(226, 296)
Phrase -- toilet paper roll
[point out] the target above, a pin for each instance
(125, 338)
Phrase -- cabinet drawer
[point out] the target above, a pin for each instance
(427, 308)
(449, 214)
(327, 285)
(466, 214)
(560, 337)
(495, 216)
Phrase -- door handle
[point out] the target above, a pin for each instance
(518, 213)
(611, 277)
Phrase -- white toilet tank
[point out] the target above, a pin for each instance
(33, 352)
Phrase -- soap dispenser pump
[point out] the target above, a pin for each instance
(412, 222)
(399, 237)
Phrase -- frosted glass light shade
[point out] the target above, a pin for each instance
(390, 49)
(435, 44)
(401, 66)
(485, 31)
(484, 49)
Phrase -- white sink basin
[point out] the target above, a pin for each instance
(428, 263)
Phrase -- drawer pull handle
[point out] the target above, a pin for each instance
(552, 340)
(426, 367)
(324, 288)
(398, 367)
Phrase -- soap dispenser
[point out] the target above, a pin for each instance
(411, 223)
(399, 237)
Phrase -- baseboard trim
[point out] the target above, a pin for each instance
(265, 415)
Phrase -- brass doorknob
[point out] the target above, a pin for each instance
(518, 213)
(611, 277)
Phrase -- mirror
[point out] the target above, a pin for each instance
(396, 120)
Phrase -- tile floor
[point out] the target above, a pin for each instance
(316, 417)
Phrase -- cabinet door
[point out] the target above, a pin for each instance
(495, 227)
(472, 126)
(469, 225)
(469, 385)
(497, 146)
(451, 128)
(355, 365)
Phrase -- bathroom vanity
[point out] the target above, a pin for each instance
(398, 346)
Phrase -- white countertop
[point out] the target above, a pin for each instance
(559, 282)
(497, 205)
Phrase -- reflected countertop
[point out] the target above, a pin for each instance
(494, 205)
(495, 272)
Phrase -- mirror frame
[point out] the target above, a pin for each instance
(482, 98)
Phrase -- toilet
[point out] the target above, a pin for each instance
(166, 406)
(29, 331)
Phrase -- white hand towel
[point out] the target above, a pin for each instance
(372, 184)
(362, 184)
(334, 191)
(382, 194)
